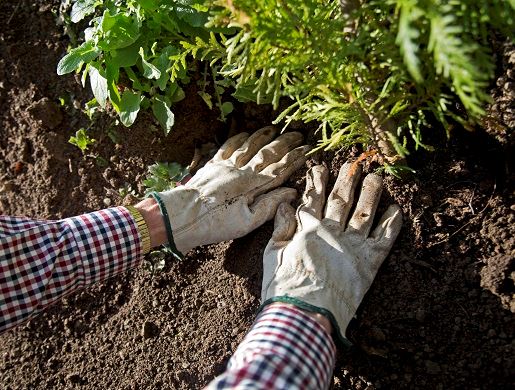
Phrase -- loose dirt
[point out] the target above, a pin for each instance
(438, 316)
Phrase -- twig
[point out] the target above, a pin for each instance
(470, 201)
(14, 12)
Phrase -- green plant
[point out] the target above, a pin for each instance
(373, 72)
(370, 72)
(132, 54)
(81, 140)
(164, 176)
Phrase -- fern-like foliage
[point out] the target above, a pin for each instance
(374, 72)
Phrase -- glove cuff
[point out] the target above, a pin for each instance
(166, 218)
(338, 336)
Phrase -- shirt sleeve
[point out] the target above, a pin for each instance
(43, 261)
(285, 349)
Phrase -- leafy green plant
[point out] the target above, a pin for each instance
(164, 176)
(374, 72)
(132, 54)
(370, 72)
(81, 140)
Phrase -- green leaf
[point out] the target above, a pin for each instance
(112, 74)
(207, 98)
(164, 176)
(81, 9)
(98, 82)
(227, 108)
(81, 140)
(149, 70)
(76, 57)
(128, 56)
(148, 4)
(163, 114)
(129, 107)
(191, 16)
(406, 39)
(163, 63)
(178, 95)
(119, 31)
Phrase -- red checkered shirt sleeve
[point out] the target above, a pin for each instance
(285, 349)
(42, 261)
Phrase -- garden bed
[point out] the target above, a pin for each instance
(437, 317)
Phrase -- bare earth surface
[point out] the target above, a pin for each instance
(440, 314)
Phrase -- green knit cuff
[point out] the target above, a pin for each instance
(166, 218)
(339, 339)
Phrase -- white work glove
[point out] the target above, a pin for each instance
(319, 260)
(235, 192)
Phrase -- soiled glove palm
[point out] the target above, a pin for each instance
(317, 259)
(235, 192)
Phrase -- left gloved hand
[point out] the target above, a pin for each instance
(235, 192)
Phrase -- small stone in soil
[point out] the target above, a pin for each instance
(149, 330)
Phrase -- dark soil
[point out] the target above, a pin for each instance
(438, 316)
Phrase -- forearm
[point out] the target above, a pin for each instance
(286, 348)
(43, 261)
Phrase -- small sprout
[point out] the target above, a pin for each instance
(81, 140)
(127, 190)
(155, 262)
(164, 176)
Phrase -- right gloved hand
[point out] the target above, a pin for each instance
(319, 261)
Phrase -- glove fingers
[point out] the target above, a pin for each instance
(388, 226)
(229, 146)
(265, 206)
(275, 150)
(341, 198)
(313, 199)
(283, 169)
(384, 235)
(363, 217)
(252, 145)
(285, 223)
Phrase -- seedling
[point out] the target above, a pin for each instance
(164, 176)
(155, 262)
(81, 140)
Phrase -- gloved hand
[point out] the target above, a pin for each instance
(319, 260)
(235, 192)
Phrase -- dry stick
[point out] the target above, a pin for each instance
(466, 224)
(14, 12)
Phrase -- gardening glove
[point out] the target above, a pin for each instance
(235, 192)
(319, 260)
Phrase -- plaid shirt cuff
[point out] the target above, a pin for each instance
(285, 349)
(42, 261)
